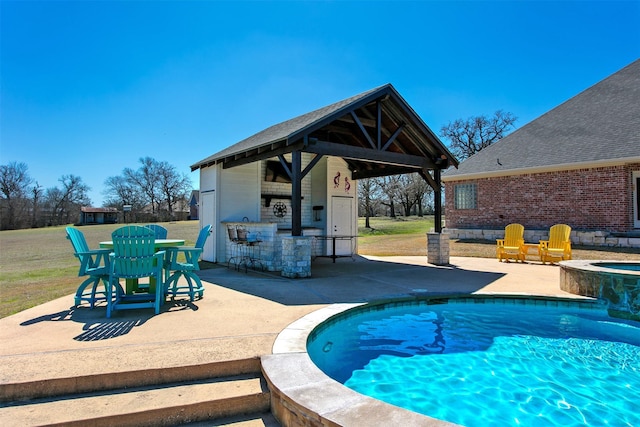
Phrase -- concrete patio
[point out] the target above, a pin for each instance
(239, 317)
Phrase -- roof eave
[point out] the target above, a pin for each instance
(541, 169)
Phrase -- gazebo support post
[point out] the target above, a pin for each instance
(437, 242)
(296, 193)
(437, 201)
(296, 250)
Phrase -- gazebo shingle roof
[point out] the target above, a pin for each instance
(400, 132)
(283, 130)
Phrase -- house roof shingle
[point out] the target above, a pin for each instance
(599, 125)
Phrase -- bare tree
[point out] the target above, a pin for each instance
(65, 203)
(155, 184)
(467, 137)
(412, 192)
(146, 178)
(368, 189)
(36, 192)
(174, 187)
(120, 191)
(14, 187)
(389, 186)
(423, 193)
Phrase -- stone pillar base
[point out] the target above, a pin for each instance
(438, 248)
(296, 256)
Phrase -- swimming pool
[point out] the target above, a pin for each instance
(507, 361)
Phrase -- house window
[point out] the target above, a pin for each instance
(465, 196)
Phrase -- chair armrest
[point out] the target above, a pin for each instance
(191, 254)
(188, 249)
(500, 242)
(544, 244)
(93, 259)
(97, 253)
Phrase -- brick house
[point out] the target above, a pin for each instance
(578, 164)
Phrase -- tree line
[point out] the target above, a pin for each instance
(155, 191)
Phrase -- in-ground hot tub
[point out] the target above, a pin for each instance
(617, 283)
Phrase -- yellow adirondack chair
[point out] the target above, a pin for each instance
(512, 246)
(558, 247)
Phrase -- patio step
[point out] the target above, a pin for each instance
(232, 393)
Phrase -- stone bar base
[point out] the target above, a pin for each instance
(438, 248)
(296, 256)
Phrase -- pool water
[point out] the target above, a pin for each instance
(630, 266)
(489, 364)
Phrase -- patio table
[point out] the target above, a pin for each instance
(132, 284)
(333, 239)
(529, 246)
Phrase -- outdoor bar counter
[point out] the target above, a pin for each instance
(268, 248)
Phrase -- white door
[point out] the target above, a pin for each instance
(207, 214)
(341, 224)
(636, 199)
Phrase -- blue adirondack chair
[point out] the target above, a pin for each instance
(161, 232)
(185, 268)
(94, 264)
(134, 258)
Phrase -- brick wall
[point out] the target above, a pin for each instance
(586, 199)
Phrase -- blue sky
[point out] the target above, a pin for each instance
(89, 87)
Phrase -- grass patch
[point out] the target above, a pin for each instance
(383, 226)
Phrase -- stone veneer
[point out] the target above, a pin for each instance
(296, 256)
(587, 238)
(619, 289)
(438, 248)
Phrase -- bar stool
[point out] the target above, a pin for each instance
(235, 252)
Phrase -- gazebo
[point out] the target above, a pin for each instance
(376, 133)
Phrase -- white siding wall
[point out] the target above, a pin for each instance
(208, 183)
(319, 193)
(239, 193)
(238, 197)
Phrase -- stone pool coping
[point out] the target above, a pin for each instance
(302, 395)
(593, 265)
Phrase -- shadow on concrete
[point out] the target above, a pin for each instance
(353, 281)
(96, 326)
